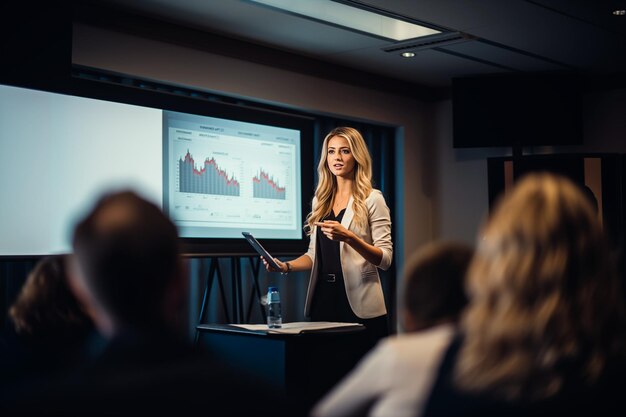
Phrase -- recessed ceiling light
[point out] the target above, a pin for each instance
(351, 17)
(619, 12)
(408, 54)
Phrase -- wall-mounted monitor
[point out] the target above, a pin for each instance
(517, 110)
(224, 176)
(215, 169)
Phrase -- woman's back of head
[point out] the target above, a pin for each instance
(433, 285)
(46, 308)
(544, 296)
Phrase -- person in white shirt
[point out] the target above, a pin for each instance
(395, 378)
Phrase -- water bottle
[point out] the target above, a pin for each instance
(274, 318)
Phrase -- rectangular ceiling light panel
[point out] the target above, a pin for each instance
(352, 18)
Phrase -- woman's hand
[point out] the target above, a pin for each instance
(335, 231)
(270, 268)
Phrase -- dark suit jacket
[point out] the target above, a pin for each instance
(577, 398)
(151, 375)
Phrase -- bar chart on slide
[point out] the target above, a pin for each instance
(231, 177)
(266, 186)
(210, 179)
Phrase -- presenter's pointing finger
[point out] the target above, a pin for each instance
(326, 223)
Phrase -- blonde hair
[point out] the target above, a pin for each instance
(327, 183)
(543, 293)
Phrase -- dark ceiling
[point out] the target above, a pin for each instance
(492, 36)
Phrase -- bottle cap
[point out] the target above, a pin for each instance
(272, 295)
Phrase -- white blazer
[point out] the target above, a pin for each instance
(363, 287)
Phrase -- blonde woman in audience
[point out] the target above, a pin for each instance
(394, 379)
(544, 331)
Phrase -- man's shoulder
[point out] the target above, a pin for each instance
(175, 383)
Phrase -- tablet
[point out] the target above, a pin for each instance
(261, 250)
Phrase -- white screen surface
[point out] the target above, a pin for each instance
(59, 154)
(225, 176)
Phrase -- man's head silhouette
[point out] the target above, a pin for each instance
(128, 268)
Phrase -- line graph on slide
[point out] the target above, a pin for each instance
(265, 186)
(209, 179)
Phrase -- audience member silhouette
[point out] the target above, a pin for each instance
(395, 378)
(127, 268)
(543, 333)
(48, 327)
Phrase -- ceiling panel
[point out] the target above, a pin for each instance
(459, 15)
(248, 21)
(517, 35)
(502, 56)
(598, 13)
(430, 66)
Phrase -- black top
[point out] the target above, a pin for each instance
(330, 261)
(152, 375)
(577, 398)
(330, 302)
(25, 360)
